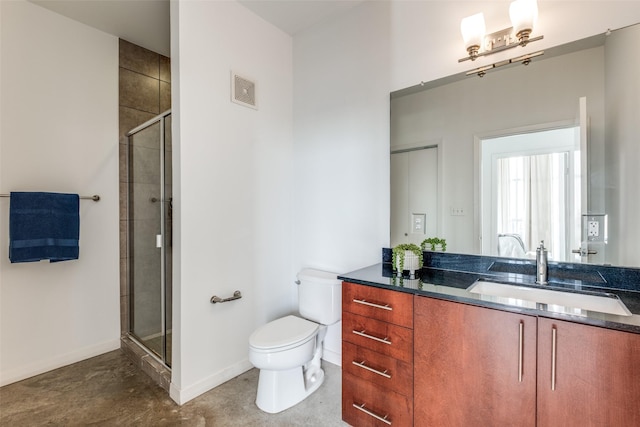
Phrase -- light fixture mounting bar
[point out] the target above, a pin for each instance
(524, 59)
(500, 41)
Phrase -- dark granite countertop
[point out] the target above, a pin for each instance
(452, 285)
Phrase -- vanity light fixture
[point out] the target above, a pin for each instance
(472, 29)
(523, 14)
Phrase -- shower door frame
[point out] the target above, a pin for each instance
(162, 357)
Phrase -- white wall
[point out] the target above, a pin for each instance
(233, 187)
(341, 133)
(59, 115)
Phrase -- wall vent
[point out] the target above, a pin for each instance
(243, 91)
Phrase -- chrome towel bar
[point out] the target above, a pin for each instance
(95, 197)
(216, 299)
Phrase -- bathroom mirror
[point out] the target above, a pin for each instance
(587, 89)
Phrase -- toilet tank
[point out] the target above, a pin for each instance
(320, 296)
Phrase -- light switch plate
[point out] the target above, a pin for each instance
(418, 223)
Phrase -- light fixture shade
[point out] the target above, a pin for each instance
(472, 29)
(523, 14)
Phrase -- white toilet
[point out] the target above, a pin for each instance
(288, 350)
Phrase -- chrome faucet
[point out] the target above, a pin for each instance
(541, 264)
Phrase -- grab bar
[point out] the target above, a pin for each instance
(236, 295)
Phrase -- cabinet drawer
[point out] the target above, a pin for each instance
(385, 371)
(391, 306)
(381, 337)
(364, 404)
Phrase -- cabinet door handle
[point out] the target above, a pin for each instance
(370, 304)
(374, 415)
(362, 333)
(554, 339)
(520, 351)
(368, 368)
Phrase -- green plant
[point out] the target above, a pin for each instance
(432, 242)
(397, 256)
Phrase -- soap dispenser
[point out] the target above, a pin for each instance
(541, 264)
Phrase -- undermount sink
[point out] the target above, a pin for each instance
(600, 302)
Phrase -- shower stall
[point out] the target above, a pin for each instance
(149, 235)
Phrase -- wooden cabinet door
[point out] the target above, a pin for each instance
(594, 378)
(473, 366)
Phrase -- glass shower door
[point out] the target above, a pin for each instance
(150, 236)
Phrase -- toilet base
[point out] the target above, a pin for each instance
(280, 390)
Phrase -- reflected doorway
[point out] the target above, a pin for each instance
(415, 197)
(531, 191)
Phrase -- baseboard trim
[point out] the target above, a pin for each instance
(37, 368)
(182, 396)
(332, 357)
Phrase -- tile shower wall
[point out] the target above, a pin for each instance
(145, 92)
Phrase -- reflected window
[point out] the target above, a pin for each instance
(531, 196)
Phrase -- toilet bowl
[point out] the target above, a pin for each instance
(288, 350)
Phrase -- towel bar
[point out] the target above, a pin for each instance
(95, 197)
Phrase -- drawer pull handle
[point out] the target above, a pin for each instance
(375, 371)
(370, 304)
(362, 333)
(520, 351)
(368, 412)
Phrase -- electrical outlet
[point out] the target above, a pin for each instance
(594, 228)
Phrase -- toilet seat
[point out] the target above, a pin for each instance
(283, 334)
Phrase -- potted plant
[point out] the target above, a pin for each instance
(407, 256)
(434, 244)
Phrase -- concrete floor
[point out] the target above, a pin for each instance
(109, 390)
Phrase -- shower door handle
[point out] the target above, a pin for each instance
(159, 241)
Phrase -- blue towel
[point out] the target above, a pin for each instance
(43, 226)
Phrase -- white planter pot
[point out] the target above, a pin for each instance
(434, 248)
(411, 262)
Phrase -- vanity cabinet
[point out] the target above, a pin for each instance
(377, 356)
(587, 376)
(481, 366)
(473, 366)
